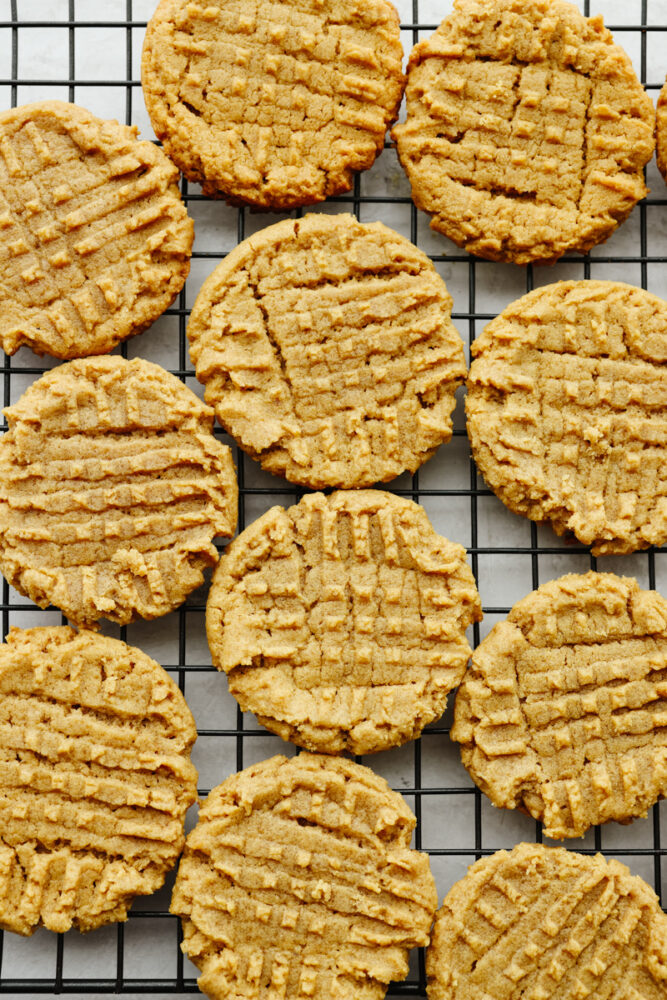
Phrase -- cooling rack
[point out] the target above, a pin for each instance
(89, 51)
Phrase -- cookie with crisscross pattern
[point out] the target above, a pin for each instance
(95, 778)
(274, 104)
(95, 241)
(340, 622)
(112, 488)
(327, 350)
(527, 129)
(563, 712)
(299, 881)
(567, 411)
(542, 923)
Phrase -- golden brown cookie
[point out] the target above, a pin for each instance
(275, 104)
(567, 412)
(95, 778)
(341, 621)
(563, 713)
(527, 130)
(543, 923)
(95, 241)
(327, 351)
(112, 488)
(298, 881)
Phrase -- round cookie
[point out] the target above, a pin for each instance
(299, 881)
(95, 241)
(327, 351)
(274, 104)
(112, 488)
(567, 412)
(95, 778)
(527, 130)
(340, 622)
(543, 923)
(563, 712)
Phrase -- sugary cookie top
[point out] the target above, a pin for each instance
(341, 621)
(95, 778)
(299, 881)
(564, 710)
(275, 104)
(112, 488)
(567, 411)
(542, 922)
(94, 238)
(527, 129)
(327, 351)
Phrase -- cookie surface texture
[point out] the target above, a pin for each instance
(299, 881)
(95, 241)
(661, 132)
(112, 488)
(273, 104)
(95, 778)
(341, 621)
(327, 351)
(549, 923)
(527, 130)
(563, 710)
(567, 412)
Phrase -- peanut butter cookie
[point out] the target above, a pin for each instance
(112, 488)
(567, 412)
(299, 881)
(95, 241)
(341, 621)
(564, 710)
(273, 104)
(95, 778)
(543, 923)
(327, 351)
(527, 130)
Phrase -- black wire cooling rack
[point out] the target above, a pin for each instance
(57, 49)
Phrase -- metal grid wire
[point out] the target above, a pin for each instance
(455, 824)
